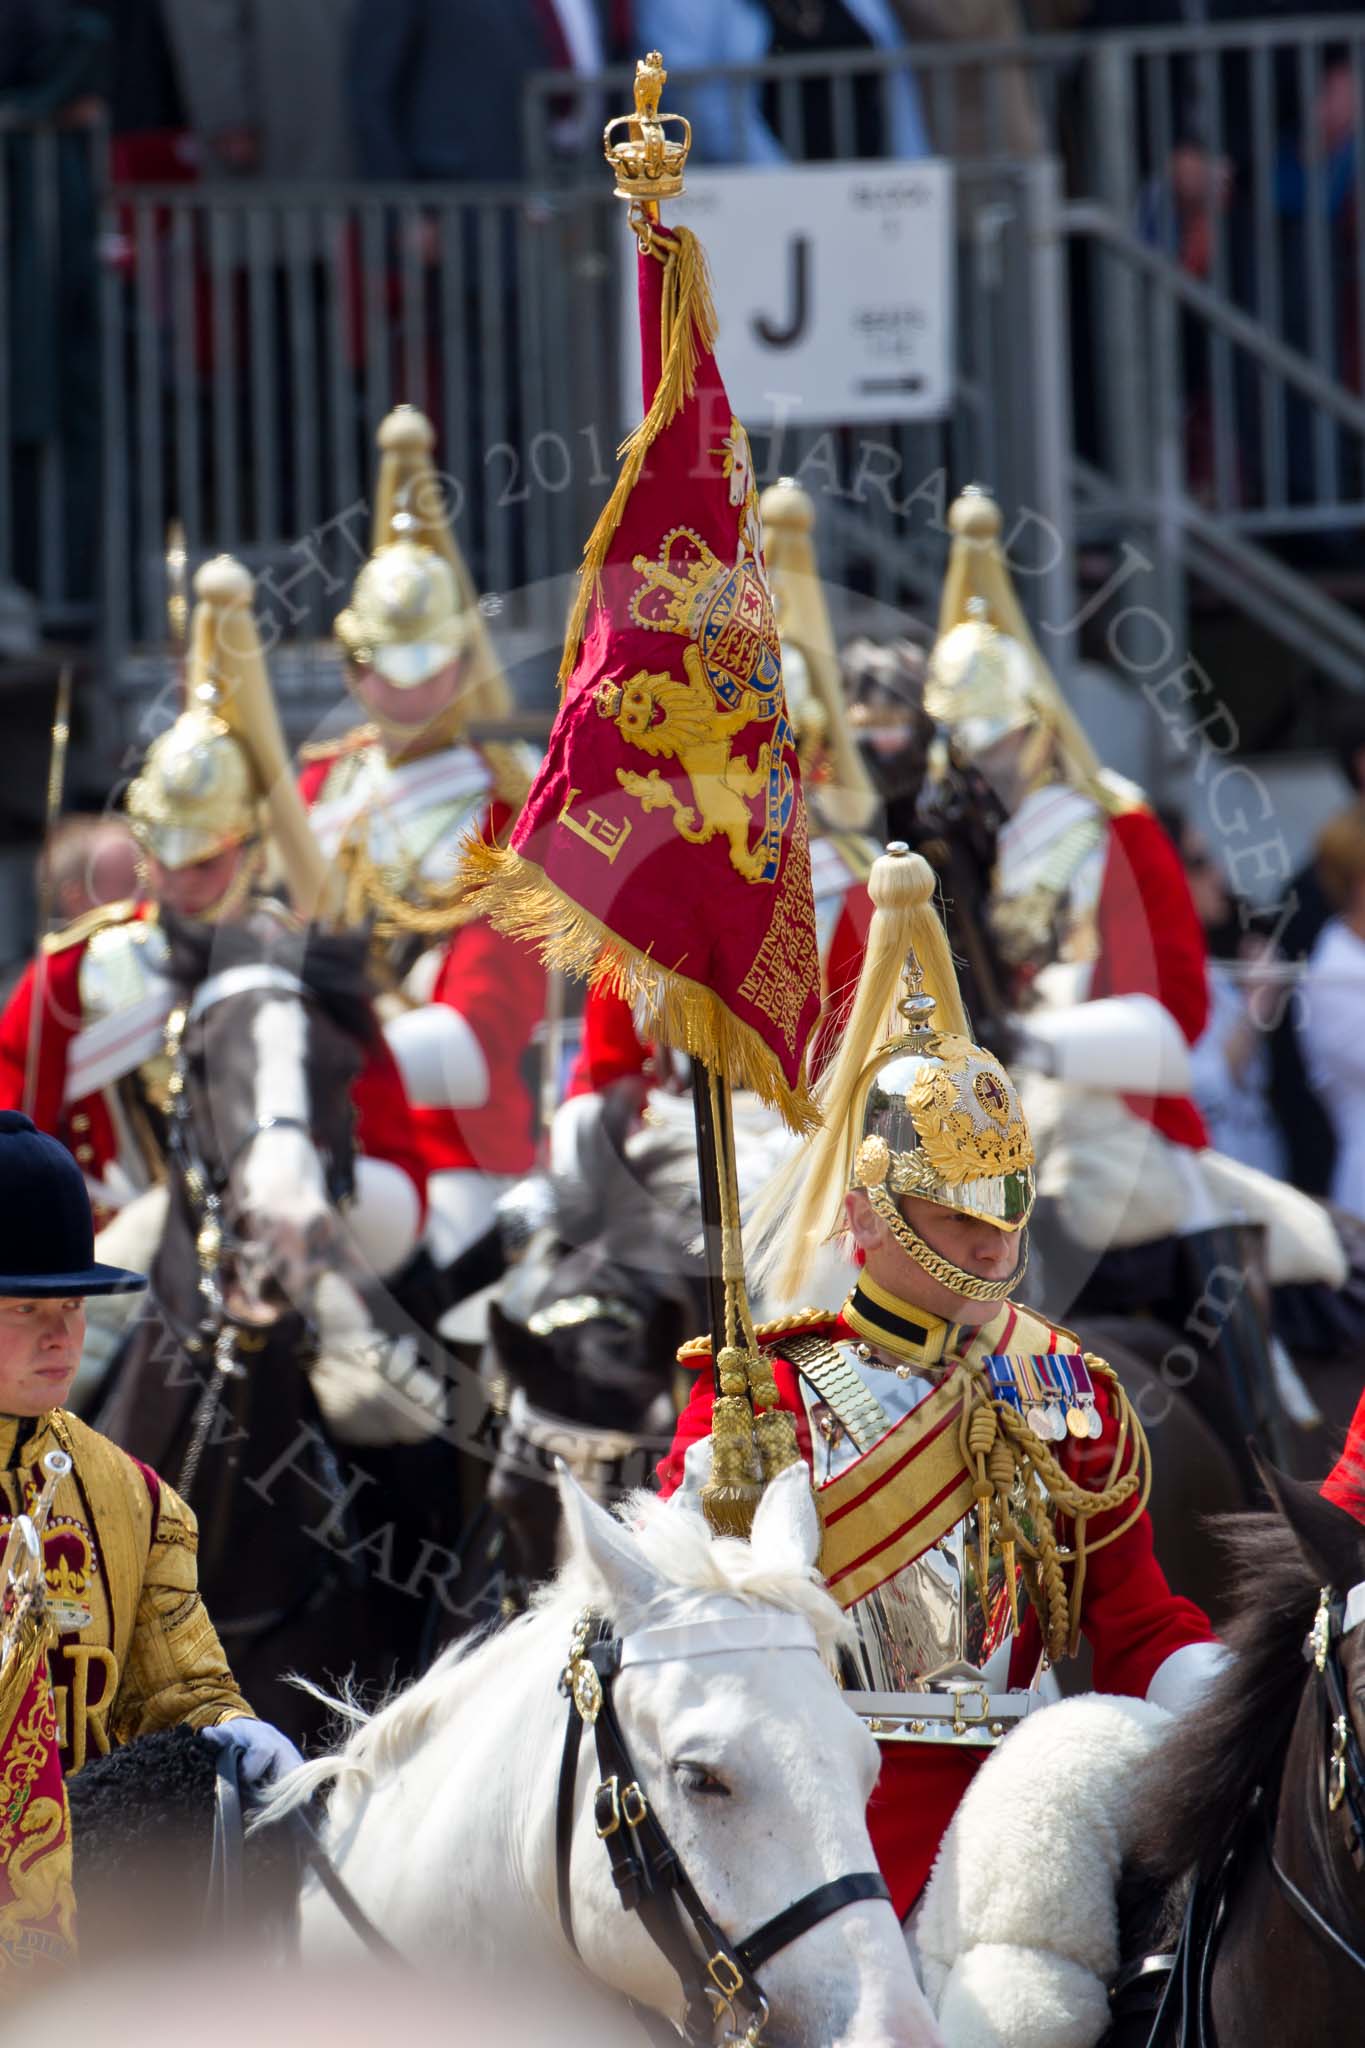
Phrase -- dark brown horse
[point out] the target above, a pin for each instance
(316, 1556)
(1254, 1814)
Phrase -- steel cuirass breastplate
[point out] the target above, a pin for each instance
(927, 1666)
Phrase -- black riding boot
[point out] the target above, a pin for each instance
(1222, 1316)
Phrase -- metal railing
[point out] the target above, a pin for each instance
(50, 372)
(250, 339)
(1144, 123)
(255, 339)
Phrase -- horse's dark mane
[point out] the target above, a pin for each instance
(333, 966)
(1198, 1781)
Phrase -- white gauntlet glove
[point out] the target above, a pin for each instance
(265, 1754)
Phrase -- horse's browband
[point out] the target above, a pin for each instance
(688, 1639)
(243, 980)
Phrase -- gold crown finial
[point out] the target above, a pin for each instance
(648, 150)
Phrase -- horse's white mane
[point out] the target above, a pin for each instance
(674, 1541)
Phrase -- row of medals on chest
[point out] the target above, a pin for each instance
(1053, 1408)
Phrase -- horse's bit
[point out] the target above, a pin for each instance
(645, 1866)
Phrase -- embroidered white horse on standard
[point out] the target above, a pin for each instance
(441, 1818)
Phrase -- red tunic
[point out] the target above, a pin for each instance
(498, 986)
(1130, 1617)
(384, 1119)
(1151, 943)
(1345, 1483)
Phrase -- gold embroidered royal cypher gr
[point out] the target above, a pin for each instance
(148, 1656)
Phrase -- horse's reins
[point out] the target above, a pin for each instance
(717, 1974)
(206, 1186)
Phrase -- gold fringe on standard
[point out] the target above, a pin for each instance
(518, 897)
(687, 330)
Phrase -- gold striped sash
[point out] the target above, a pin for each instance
(895, 1503)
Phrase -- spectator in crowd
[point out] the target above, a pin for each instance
(90, 858)
(1231, 1060)
(1309, 1140)
(263, 85)
(435, 86)
(748, 123)
(1333, 1024)
(991, 109)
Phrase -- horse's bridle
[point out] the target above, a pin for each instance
(1343, 1763)
(247, 979)
(717, 1974)
(205, 1187)
(1184, 2015)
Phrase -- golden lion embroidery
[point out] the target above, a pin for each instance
(680, 720)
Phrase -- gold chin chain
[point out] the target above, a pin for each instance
(955, 1278)
(439, 908)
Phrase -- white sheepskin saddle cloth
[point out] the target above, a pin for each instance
(1018, 1933)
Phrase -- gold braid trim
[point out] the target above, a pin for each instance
(518, 897)
(766, 1333)
(337, 748)
(997, 1448)
(688, 323)
(440, 908)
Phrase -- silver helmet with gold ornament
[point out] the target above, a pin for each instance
(987, 677)
(911, 1105)
(221, 775)
(414, 609)
(195, 794)
(981, 684)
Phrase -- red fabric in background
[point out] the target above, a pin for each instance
(1345, 1483)
(1151, 943)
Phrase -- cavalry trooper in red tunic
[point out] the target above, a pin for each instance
(205, 809)
(392, 803)
(840, 797)
(981, 1483)
(136, 1652)
(1092, 915)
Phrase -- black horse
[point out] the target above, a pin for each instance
(1251, 1861)
(320, 1552)
(587, 1332)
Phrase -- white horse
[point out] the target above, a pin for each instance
(441, 1820)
